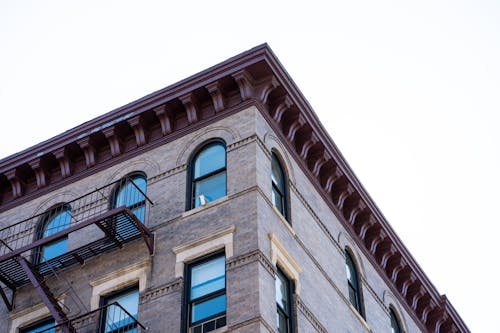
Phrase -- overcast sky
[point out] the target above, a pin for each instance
(409, 92)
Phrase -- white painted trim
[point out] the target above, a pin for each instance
(281, 257)
(222, 239)
(118, 280)
(201, 208)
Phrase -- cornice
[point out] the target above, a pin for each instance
(254, 77)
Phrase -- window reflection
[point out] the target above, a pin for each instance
(278, 180)
(208, 174)
(56, 220)
(132, 194)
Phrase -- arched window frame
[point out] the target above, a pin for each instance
(193, 181)
(122, 186)
(275, 190)
(396, 326)
(354, 284)
(42, 232)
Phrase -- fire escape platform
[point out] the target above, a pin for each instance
(118, 227)
(109, 318)
(69, 234)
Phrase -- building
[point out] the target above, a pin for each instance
(217, 204)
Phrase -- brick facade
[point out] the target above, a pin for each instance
(309, 247)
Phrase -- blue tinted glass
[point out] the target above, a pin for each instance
(116, 317)
(208, 308)
(208, 277)
(139, 212)
(212, 188)
(54, 249)
(39, 328)
(129, 194)
(210, 159)
(57, 222)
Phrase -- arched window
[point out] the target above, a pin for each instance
(208, 174)
(279, 190)
(353, 283)
(131, 192)
(395, 326)
(56, 220)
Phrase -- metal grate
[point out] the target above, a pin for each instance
(112, 318)
(88, 226)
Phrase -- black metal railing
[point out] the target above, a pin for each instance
(112, 318)
(72, 232)
(120, 193)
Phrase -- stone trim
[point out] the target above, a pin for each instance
(30, 315)
(300, 305)
(170, 287)
(206, 206)
(328, 234)
(241, 143)
(222, 239)
(263, 82)
(251, 257)
(374, 294)
(167, 173)
(315, 217)
(271, 142)
(119, 279)
(281, 257)
(360, 318)
(337, 245)
(251, 321)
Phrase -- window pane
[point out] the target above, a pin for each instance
(208, 277)
(116, 317)
(210, 159)
(208, 308)
(352, 283)
(281, 322)
(57, 222)
(348, 271)
(353, 297)
(282, 297)
(351, 271)
(277, 175)
(277, 200)
(140, 212)
(40, 327)
(54, 249)
(129, 194)
(394, 323)
(212, 188)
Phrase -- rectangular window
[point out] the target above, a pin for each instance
(39, 326)
(206, 294)
(122, 318)
(284, 289)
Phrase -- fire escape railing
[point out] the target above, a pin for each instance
(111, 318)
(68, 235)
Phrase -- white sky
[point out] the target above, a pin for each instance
(408, 90)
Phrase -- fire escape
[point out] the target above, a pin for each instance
(95, 223)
